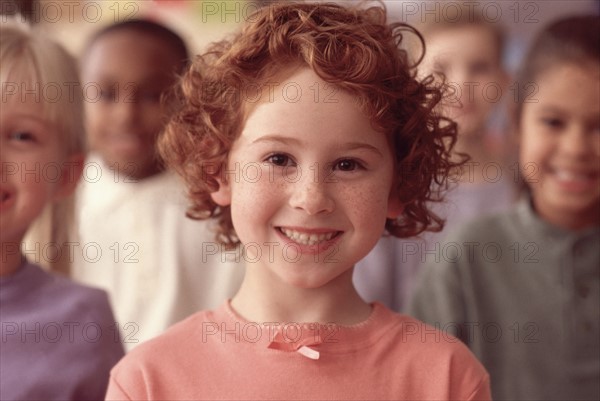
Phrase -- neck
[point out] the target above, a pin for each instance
(472, 171)
(131, 172)
(264, 298)
(473, 145)
(12, 258)
(132, 175)
(574, 221)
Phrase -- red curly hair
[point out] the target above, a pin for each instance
(352, 48)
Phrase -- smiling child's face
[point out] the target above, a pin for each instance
(35, 168)
(308, 183)
(468, 58)
(131, 70)
(560, 145)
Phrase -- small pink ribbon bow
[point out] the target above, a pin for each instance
(301, 345)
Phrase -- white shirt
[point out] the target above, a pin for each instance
(135, 242)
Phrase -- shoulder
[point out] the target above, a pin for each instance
(495, 226)
(425, 339)
(66, 290)
(71, 300)
(165, 187)
(66, 321)
(412, 336)
(178, 339)
(437, 364)
(44, 297)
(163, 361)
(441, 357)
(62, 288)
(439, 345)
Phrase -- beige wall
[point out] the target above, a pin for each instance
(198, 22)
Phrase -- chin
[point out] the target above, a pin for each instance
(308, 283)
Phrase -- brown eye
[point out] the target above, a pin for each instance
(347, 165)
(554, 123)
(279, 160)
(23, 136)
(150, 96)
(480, 67)
(108, 95)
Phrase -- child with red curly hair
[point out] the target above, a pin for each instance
(306, 136)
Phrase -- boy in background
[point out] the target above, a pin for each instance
(131, 212)
(466, 54)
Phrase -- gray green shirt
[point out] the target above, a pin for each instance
(525, 297)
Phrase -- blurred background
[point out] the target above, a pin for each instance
(201, 22)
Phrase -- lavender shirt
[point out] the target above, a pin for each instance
(58, 340)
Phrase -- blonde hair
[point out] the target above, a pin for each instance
(35, 65)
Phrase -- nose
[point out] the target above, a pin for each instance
(577, 142)
(461, 87)
(312, 196)
(5, 153)
(126, 109)
(7, 163)
(2, 160)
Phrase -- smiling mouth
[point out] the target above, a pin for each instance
(305, 238)
(565, 175)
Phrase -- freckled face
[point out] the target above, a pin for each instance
(309, 196)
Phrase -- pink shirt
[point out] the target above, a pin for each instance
(216, 355)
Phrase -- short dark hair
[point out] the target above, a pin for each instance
(571, 40)
(149, 28)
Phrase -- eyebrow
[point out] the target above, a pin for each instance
(557, 111)
(42, 120)
(277, 139)
(296, 142)
(148, 81)
(362, 146)
(550, 109)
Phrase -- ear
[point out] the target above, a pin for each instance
(222, 196)
(395, 207)
(71, 172)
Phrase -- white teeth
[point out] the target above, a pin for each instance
(307, 239)
(570, 176)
